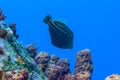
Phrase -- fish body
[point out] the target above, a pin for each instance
(61, 35)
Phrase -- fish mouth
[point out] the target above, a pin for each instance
(48, 20)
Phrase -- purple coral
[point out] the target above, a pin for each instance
(83, 75)
(64, 63)
(69, 77)
(84, 62)
(42, 59)
(53, 72)
(31, 50)
(54, 59)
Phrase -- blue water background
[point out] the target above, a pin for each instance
(95, 24)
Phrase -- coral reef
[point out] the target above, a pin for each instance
(18, 62)
(56, 68)
(15, 61)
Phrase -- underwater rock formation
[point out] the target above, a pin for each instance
(18, 62)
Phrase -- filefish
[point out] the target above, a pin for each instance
(61, 35)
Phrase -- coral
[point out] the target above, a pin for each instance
(2, 16)
(13, 28)
(113, 77)
(14, 57)
(69, 77)
(16, 75)
(42, 59)
(54, 58)
(9, 36)
(53, 72)
(84, 61)
(58, 69)
(32, 50)
(83, 75)
(64, 64)
(3, 33)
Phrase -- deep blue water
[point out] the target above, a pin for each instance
(95, 24)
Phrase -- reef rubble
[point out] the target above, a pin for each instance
(19, 62)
